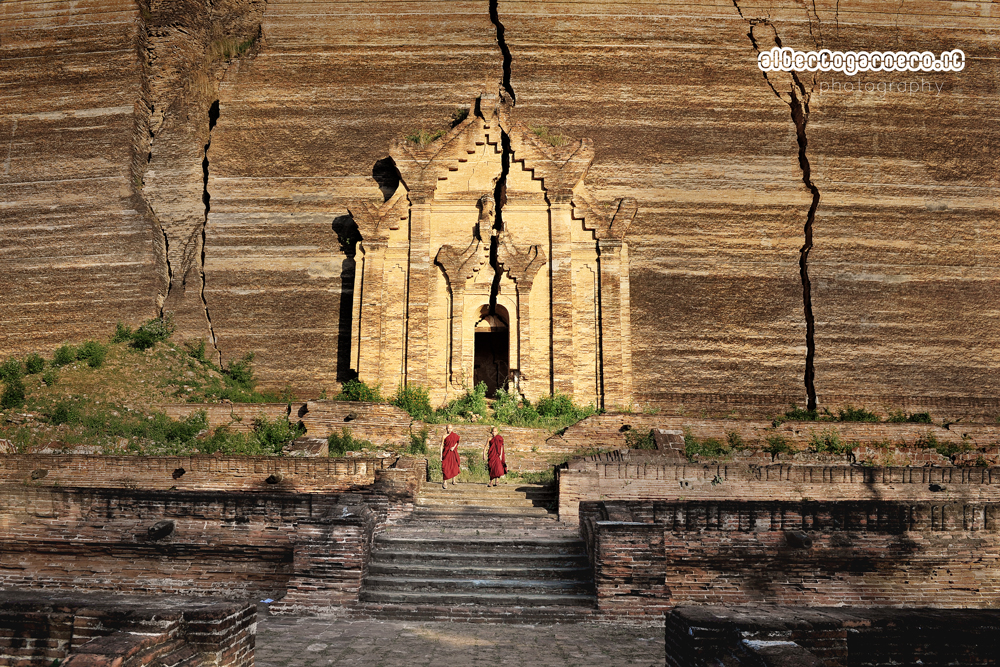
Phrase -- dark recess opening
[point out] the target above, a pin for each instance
(492, 350)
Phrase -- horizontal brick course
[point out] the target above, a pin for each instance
(650, 556)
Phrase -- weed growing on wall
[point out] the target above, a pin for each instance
(776, 444)
(706, 447)
(343, 442)
(356, 390)
(418, 442)
(900, 417)
(829, 441)
(849, 413)
(640, 439)
(414, 399)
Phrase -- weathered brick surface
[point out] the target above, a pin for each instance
(237, 416)
(608, 430)
(221, 544)
(638, 477)
(650, 556)
(118, 631)
(221, 473)
(832, 637)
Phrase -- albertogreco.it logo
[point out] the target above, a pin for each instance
(851, 62)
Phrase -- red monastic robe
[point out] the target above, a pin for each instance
(496, 459)
(450, 464)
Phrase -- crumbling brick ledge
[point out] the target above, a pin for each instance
(97, 630)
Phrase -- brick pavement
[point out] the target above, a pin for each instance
(316, 642)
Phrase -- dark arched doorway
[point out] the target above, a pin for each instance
(492, 357)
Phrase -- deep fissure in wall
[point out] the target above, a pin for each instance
(206, 198)
(798, 103)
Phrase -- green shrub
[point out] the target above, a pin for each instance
(13, 393)
(475, 468)
(508, 408)
(50, 377)
(152, 332)
(414, 399)
(708, 447)
(93, 353)
(548, 136)
(122, 334)
(11, 370)
(239, 373)
(900, 417)
(345, 442)
(356, 390)
(418, 442)
(274, 435)
(423, 137)
(471, 403)
(829, 441)
(34, 363)
(65, 412)
(795, 413)
(777, 444)
(197, 350)
(65, 355)
(851, 414)
(734, 440)
(639, 439)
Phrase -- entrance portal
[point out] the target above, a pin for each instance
(492, 353)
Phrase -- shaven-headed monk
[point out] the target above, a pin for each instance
(450, 464)
(495, 457)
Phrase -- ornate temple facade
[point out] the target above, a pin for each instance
(531, 292)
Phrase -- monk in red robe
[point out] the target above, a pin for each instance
(494, 455)
(450, 464)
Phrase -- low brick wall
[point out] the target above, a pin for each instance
(829, 637)
(651, 556)
(237, 416)
(222, 473)
(608, 431)
(87, 631)
(644, 476)
(192, 543)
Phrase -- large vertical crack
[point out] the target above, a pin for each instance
(504, 50)
(798, 103)
(206, 198)
(500, 188)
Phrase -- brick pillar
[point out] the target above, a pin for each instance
(418, 303)
(561, 286)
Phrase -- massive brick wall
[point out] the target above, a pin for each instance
(651, 556)
(651, 479)
(191, 473)
(78, 251)
(779, 636)
(126, 632)
(220, 544)
(902, 266)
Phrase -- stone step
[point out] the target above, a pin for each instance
(434, 489)
(479, 545)
(476, 501)
(412, 559)
(474, 613)
(479, 599)
(433, 569)
(476, 531)
(424, 512)
(436, 585)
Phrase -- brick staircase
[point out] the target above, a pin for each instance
(473, 553)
